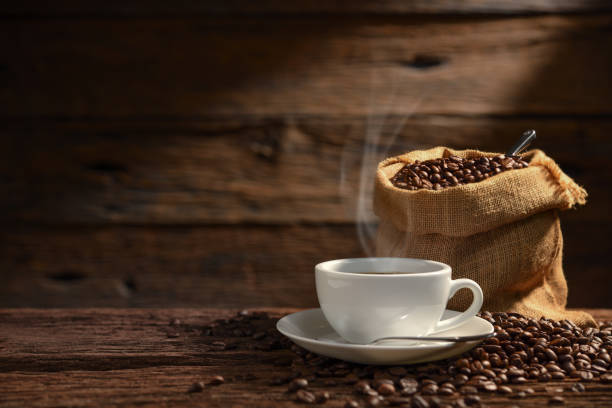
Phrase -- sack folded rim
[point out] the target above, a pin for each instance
(480, 206)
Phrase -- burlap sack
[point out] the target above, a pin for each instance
(502, 232)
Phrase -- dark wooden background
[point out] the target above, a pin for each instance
(209, 154)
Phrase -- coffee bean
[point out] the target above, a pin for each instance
(374, 401)
(600, 362)
(408, 382)
(489, 387)
(429, 389)
(472, 399)
(322, 397)
(386, 389)
(521, 394)
(351, 404)
(305, 396)
(550, 355)
(568, 367)
(557, 375)
(216, 380)
(556, 400)
(397, 401)
(196, 387)
(606, 378)
(544, 377)
(519, 380)
(459, 403)
(298, 384)
(419, 402)
(360, 385)
(380, 381)
(504, 389)
(411, 390)
(577, 387)
(445, 391)
(430, 174)
(468, 389)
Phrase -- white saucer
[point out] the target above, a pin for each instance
(311, 330)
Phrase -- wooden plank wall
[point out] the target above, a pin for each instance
(208, 155)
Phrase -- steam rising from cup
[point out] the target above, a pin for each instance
(378, 143)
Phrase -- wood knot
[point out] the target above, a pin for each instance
(424, 61)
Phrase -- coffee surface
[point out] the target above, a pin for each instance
(445, 172)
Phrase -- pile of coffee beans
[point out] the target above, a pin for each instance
(452, 171)
(526, 356)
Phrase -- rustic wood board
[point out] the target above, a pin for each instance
(131, 267)
(255, 170)
(186, 67)
(114, 357)
(216, 266)
(301, 7)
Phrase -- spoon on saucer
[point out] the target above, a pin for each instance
(454, 339)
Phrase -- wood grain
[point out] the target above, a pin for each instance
(217, 266)
(254, 170)
(185, 67)
(207, 266)
(299, 7)
(102, 357)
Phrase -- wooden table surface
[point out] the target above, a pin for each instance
(135, 357)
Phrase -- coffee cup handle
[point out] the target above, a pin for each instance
(471, 311)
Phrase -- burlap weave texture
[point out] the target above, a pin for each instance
(503, 232)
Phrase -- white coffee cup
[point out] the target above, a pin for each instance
(365, 299)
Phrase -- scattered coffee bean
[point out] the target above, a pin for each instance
(556, 400)
(435, 402)
(419, 402)
(445, 391)
(216, 380)
(489, 386)
(374, 401)
(459, 403)
(380, 381)
(429, 389)
(472, 399)
(174, 322)
(408, 382)
(523, 351)
(504, 389)
(398, 401)
(386, 389)
(468, 389)
(577, 387)
(196, 387)
(557, 375)
(582, 375)
(298, 384)
(322, 397)
(351, 404)
(305, 396)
